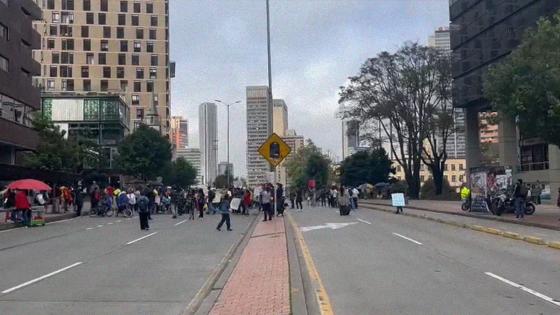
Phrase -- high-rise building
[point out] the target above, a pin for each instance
(109, 46)
(295, 142)
(259, 128)
(455, 146)
(191, 155)
(280, 117)
(18, 95)
(483, 34)
(179, 132)
(224, 167)
(207, 129)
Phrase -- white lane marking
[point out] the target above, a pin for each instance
(364, 221)
(129, 219)
(332, 226)
(12, 229)
(100, 225)
(139, 239)
(180, 222)
(61, 221)
(41, 278)
(110, 223)
(531, 291)
(89, 228)
(407, 238)
(118, 221)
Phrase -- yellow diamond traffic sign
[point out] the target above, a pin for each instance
(274, 150)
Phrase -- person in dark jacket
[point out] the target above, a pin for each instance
(279, 200)
(78, 200)
(224, 211)
(143, 210)
(299, 199)
(520, 195)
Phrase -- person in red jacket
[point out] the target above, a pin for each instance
(23, 206)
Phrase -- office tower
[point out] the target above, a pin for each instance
(207, 124)
(224, 167)
(259, 128)
(191, 155)
(179, 132)
(441, 40)
(109, 46)
(280, 117)
(18, 95)
(295, 142)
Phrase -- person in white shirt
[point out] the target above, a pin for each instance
(132, 200)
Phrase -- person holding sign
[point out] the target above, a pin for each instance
(398, 201)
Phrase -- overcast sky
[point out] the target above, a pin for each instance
(220, 48)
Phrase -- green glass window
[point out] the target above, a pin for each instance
(91, 109)
(110, 110)
(47, 108)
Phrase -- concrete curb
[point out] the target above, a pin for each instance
(470, 215)
(64, 216)
(479, 228)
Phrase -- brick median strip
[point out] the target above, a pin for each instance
(259, 284)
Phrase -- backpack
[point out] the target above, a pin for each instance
(142, 204)
(523, 191)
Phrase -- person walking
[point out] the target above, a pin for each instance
(210, 203)
(266, 205)
(246, 202)
(122, 202)
(299, 199)
(143, 210)
(292, 198)
(78, 200)
(132, 200)
(520, 194)
(224, 211)
(344, 202)
(23, 207)
(279, 200)
(323, 197)
(200, 203)
(355, 196)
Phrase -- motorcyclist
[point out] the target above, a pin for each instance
(465, 195)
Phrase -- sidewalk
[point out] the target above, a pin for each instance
(545, 216)
(260, 282)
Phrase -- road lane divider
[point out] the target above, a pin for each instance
(524, 288)
(321, 295)
(407, 238)
(180, 222)
(41, 278)
(364, 221)
(141, 238)
(89, 228)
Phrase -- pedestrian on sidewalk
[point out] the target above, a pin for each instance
(143, 210)
(266, 205)
(279, 200)
(292, 198)
(520, 194)
(224, 211)
(299, 200)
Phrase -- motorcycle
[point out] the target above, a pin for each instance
(502, 203)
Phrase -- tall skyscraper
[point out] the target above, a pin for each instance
(207, 124)
(191, 155)
(441, 40)
(18, 95)
(295, 142)
(179, 132)
(224, 167)
(259, 127)
(109, 46)
(280, 117)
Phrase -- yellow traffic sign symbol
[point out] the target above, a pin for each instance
(274, 150)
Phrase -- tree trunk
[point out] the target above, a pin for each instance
(437, 173)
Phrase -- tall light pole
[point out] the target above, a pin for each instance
(227, 105)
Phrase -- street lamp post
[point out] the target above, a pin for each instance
(227, 167)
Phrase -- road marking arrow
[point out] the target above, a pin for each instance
(332, 226)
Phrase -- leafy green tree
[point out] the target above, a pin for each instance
(182, 173)
(526, 84)
(308, 163)
(144, 153)
(365, 167)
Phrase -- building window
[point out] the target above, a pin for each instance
(453, 167)
(107, 72)
(154, 20)
(67, 58)
(136, 7)
(86, 5)
(55, 58)
(53, 30)
(103, 6)
(453, 178)
(86, 85)
(153, 34)
(85, 31)
(461, 167)
(139, 33)
(66, 71)
(50, 85)
(104, 45)
(135, 60)
(122, 19)
(52, 70)
(55, 17)
(445, 167)
(150, 46)
(101, 18)
(120, 32)
(67, 85)
(156, 100)
(104, 85)
(149, 7)
(67, 44)
(135, 99)
(67, 4)
(4, 64)
(124, 45)
(87, 44)
(66, 30)
(139, 113)
(102, 59)
(153, 73)
(122, 59)
(137, 46)
(135, 20)
(90, 60)
(139, 73)
(89, 18)
(137, 86)
(154, 60)
(106, 31)
(67, 17)
(534, 157)
(150, 86)
(124, 6)
(50, 4)
(85, 72)
(124, 85)
(422, 177)
(120, 72)
(461, 178)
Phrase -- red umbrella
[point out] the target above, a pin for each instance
(29, 184)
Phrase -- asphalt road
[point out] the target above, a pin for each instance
(109, 266)
(382, 263)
